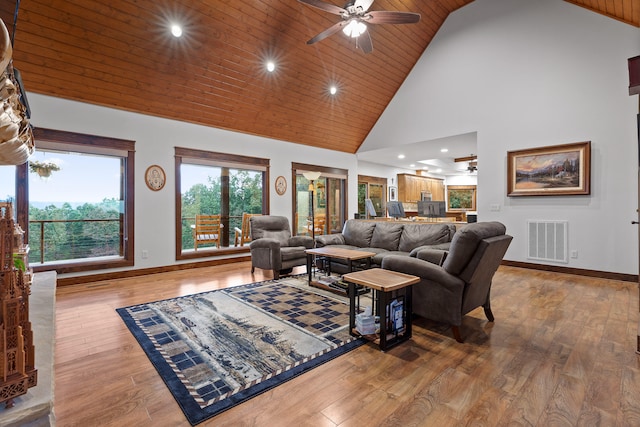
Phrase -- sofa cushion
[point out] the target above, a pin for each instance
(465, 242)
(377, 259)
(358, 233)
(386, 235)
(438, 247)
(292, 252)
(414, 235)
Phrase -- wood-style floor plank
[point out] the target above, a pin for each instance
(561, 352)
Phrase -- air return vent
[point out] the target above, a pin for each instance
(548, 240)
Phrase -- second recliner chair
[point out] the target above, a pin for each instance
(454, 282)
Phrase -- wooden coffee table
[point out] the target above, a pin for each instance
(385, 285)
(330, 253)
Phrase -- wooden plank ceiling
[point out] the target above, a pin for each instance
(120, 54)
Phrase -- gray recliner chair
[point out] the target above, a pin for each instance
(456, 281)
(274, 248)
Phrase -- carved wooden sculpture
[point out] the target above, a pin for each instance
(17, 352)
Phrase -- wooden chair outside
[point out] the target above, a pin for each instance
(243, 235)
(319, 222)
(206, 230)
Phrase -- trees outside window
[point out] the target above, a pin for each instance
(216, 184)
(75, 201)
(461, 198)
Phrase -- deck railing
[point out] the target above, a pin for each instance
(53, 240)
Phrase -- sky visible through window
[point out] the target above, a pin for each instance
(84, 178)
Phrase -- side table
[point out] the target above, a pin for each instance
(386, 285)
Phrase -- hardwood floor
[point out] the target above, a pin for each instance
(560, 353)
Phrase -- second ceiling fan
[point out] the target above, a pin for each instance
(355, 17)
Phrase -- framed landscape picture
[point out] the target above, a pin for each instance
(550, 171)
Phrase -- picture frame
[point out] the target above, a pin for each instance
(155, 177)
(281, 185)
(393, 193)
(557, 170)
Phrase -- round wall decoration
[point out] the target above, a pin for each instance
(155, 177)
(281, 185)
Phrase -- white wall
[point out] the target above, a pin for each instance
(155, 141)
(526, 74)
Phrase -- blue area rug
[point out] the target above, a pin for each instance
(217, 349)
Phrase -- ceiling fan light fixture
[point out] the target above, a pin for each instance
(354, 28)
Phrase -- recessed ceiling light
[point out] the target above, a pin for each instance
(271, 66)
(444, 150)
(438, 170)
(176, 30)
(333, 90)
(401, 156)
(412, 165)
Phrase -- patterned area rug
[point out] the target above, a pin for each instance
(217, 349)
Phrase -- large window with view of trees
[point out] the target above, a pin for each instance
(215, 191)
(74, 200)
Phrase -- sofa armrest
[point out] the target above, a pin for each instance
(330, 239)
(265, 243)
(434, 256)
(265, 253)
(425, 270)
(305, 241)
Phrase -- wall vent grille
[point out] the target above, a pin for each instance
(548, 240)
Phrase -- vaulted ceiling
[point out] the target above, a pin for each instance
(120, 54)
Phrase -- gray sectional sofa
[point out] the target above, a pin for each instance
(386, 238)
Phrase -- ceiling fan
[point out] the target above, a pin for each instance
(472, 166)
(355, 17)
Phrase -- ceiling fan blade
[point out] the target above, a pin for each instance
(364, 42)
(389, 17)
(469, 158)
(331, 8)
(363, 5)
(329, 31)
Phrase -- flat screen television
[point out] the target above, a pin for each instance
(432, 209)
(371, 210)
(395, 209)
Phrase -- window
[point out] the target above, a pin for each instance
(461, 198)
(373, 188)
(216, 184)
(8, 185)
(79, 200)
(329, 200)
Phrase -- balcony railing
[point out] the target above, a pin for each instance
(54, 240)
(57, 240)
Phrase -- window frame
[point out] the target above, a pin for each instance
(89, 144)
(369, 181)
(472, 188)
(215, 159)
(298, 168)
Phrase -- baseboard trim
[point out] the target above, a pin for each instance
(576, 271)
(176, 267)
(65, 281)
